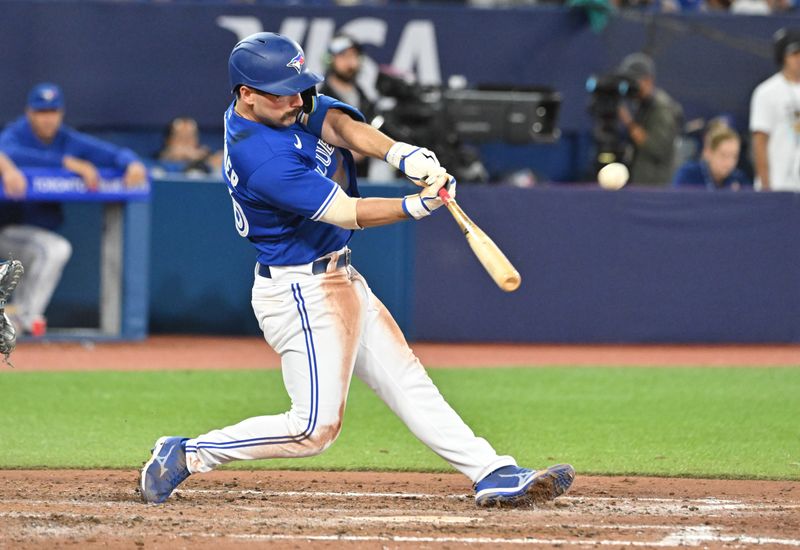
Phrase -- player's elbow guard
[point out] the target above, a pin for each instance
(342, 211)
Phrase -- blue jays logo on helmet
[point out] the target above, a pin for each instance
(297, 62)
(260, 61)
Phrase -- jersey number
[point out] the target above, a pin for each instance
(239, 219)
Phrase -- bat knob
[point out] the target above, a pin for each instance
(511, 282)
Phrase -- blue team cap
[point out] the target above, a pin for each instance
(45, 97)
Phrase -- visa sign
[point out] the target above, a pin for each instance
(416, 51)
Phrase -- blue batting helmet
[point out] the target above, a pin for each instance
(271, 63)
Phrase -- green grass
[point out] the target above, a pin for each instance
(742, 423)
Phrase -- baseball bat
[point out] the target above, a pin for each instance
(489, 254)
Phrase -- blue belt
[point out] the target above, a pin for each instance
(318, 267)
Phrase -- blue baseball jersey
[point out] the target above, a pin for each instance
(22, 146)
(280, 182)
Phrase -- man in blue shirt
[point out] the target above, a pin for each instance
(291, 178)
(27, 228)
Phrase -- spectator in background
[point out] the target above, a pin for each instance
(775, 119)
(762, 7)
(182, 151)
(343, 66)
(750, 7)
(652, 123)
(717, 167)
(27, 229)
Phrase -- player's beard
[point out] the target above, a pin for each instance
(290, 117)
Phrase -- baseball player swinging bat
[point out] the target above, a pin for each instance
(500, 269)
(285, 172)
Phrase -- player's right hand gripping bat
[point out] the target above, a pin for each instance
(491, 257)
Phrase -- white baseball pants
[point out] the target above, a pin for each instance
(326, 327)
(44, 254)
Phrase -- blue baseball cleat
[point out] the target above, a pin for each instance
(165, 470)
(515, 486)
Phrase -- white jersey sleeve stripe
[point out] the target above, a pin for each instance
(325, 204)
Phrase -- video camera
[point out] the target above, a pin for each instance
(444, 119)
(414, 113)
(607, 93)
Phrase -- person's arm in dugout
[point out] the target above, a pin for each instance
(87, 152)
(15, 185)
(10, 143)
(101, 153)
(28, 156)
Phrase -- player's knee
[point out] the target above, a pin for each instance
(315, 431)
(323, 436)
(316, 437)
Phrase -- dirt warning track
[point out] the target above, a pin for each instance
(193, 352)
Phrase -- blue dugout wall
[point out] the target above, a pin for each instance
(632, 266)
(200, 270)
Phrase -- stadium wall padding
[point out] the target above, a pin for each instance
(631, 266)
(200, 271)
(637, 265)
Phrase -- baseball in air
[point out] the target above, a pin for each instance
(613, 176)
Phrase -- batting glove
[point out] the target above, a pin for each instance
(417, 163)
(426, 201)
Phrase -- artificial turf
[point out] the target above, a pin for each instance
(703, 422)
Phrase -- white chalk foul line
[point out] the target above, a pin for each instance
(694, 536)
(690, 529)
(702, 504)
(683, 537)
(401, 519)
(436, 520)
(662, 506)
(321, 494)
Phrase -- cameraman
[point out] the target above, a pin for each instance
(651, 123)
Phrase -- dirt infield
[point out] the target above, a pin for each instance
(44, 509)
(387, 510)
